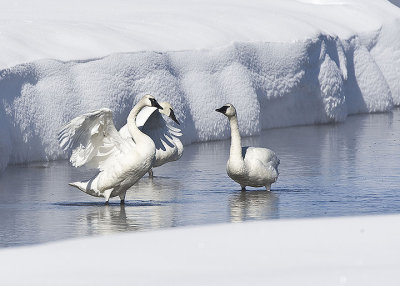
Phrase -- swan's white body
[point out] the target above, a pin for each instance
(96, 143)
(249, 166)
(165, 137)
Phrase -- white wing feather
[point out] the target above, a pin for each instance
(144, 115)
(93, 139)
(156, 127)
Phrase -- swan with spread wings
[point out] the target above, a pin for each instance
(96, 143)
(165, 137)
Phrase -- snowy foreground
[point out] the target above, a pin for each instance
(328, 251)
(284, 63)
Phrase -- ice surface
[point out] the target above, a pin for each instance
(322, 78)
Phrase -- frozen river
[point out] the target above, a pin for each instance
(344, 169)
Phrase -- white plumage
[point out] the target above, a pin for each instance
(165, 137)
(248, 166)
(96, 143)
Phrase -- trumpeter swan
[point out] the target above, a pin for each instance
(150, 121)
(96, 143)
(248, 166)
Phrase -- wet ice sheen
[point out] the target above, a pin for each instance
(350, 168)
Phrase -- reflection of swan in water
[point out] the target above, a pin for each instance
(165, 194)
(109, 219)
(253, 205)
(164, 189)
(152, 206)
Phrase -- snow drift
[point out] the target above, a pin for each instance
(34, 30)
(326, 251)
(323, 78)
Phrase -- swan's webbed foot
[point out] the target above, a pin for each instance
(107, 203)
(151, 174)
(243, 188)
(122, 202)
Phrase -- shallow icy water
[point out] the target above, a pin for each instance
(328, 170)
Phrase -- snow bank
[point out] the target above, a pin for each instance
(319, 80)
(74, 29)
(340, 251)
(336, 69)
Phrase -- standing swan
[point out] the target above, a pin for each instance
(96, 143)
(248, 166)
(165, 137)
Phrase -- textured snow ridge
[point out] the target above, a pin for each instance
(319, 80)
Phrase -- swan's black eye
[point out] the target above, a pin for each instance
(222, 109)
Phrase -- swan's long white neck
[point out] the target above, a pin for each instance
(134, 131)
(236, 144)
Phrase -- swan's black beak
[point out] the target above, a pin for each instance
(172, 116)
(222, 109)
(154, 103)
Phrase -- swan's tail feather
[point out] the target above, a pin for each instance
(86, 188)
(80, 185)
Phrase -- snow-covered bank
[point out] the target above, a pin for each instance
(322, 79)
(74, 29)
(301, 69)
(340, 251)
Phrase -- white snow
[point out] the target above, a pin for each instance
(74, 29)
(330, 251)
(280, 63)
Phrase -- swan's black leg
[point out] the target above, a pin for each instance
(122, 198)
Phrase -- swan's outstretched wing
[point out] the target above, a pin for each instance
(93, 139)
(152, 123)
